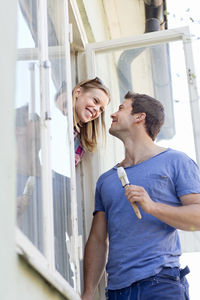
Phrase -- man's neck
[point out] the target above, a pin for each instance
(139, 151)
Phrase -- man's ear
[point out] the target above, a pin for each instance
(140, 117)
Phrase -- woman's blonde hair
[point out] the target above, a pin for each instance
(89, 132)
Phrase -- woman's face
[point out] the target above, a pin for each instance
(90, 104)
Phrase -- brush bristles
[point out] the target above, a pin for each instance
(122, 176)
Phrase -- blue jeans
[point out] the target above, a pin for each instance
(169, 284)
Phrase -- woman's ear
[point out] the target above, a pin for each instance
(77, 91)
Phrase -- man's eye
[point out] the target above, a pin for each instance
(95, 100)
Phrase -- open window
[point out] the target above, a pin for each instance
(47, 230)
(145, 64)
(159, 64)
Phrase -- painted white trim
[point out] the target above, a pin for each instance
(193, 91)
(79, 22)
(32, 53)
(27, 249)
(35, 258)
(90, 62)
(54, 52)
(74, 210)
(47, 198)
(147, 39)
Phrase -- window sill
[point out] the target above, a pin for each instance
(37, 261)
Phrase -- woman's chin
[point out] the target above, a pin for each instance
(85, 120)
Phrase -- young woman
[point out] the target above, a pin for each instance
(90, 98)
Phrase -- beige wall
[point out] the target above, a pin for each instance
(31, 286)
(125, 18)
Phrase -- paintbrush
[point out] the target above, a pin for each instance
(125, 182)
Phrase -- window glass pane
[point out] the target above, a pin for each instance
(28, 112)
(158, 71)
(60, 151)
(27, 108)
(27, 35)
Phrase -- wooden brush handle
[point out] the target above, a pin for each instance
(136, 209)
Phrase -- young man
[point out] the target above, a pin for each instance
(143, 255)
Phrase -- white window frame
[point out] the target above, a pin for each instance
(149, 39)
(45, 264)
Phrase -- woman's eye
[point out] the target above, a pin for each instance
(95, 100)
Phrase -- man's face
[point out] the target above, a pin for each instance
(122, 120)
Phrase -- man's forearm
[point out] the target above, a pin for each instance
(94, 264)
(184, 217)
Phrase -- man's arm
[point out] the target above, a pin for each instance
(185, 217)
(95, 255)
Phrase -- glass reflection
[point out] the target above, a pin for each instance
(28, 112)
(29, 204)
(60, 153)
(27, 109)
(61, 186)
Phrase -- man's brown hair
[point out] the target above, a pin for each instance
(153, 109)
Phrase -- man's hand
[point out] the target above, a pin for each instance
(184, 217)
(138, 194)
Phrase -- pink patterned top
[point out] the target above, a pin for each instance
(78, 148)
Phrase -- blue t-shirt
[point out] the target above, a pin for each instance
(140, 248)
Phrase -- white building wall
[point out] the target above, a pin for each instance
(7, 157)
